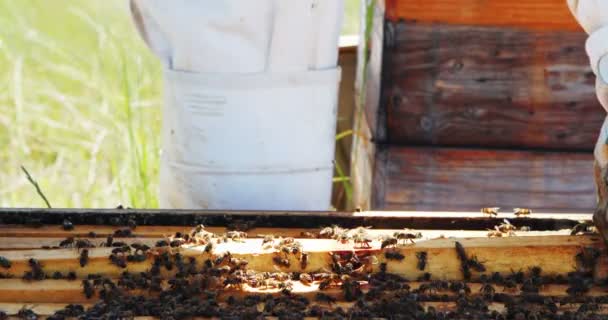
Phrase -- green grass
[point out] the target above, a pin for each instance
(80, 104)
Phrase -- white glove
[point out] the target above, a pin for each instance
(251, 97)
(592, 15)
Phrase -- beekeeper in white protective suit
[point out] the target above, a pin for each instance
(593, 17)
(250, 100)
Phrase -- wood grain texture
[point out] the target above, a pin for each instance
(32, 243)
(374, 79)
(47, 309)
(64, 291)
(463, 179)
(367, 101)
(556, 255)
(490, 87)
(529, 14)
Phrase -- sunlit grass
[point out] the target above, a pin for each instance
(80, 105)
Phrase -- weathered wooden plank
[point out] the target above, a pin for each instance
(141, 232)
(64, 291)
(28, 243)
(555, 254)
(43, 309)
(46, 309)
(464, 179)
(491, 87)
(522, 14)
(366, 126)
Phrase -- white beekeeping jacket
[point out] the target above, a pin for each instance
(250, 100)
(593, 17)
(241, 36)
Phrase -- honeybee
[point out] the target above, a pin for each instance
(492, 212)
(494, 234)
(394, 255)
(362, 239)
(306, 279)
(389, 241)
(405, 236)
(84, 257)
(422, 259)
(522, 212)
(506, 227)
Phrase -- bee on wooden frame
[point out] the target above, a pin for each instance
(84, 257)
(5, 263)
(506, 227)
(407, 237)
(494, 233)
(394, 255)
(322, 297)
(87, 288)
(490, 211)
(519, 212)
(389, 241)
(422, 259)
(306, 279)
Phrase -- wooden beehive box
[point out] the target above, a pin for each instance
(540, 270)
(465, 104)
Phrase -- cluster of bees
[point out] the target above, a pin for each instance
(518, 212)
(284, 248)
(583, 228)
(386, 296)
(359, 236)
(468, 263)
(505, 229)
(362, 239)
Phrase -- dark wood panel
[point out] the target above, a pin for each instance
(17, 222)
(529, 14)
(438, 179)
(495, 87)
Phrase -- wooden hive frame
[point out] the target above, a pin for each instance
(548, 244)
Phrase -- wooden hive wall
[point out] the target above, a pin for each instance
(456, 82)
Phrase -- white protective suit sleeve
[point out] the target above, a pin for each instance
(250, 100)
(592, 15)
(240, 36)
